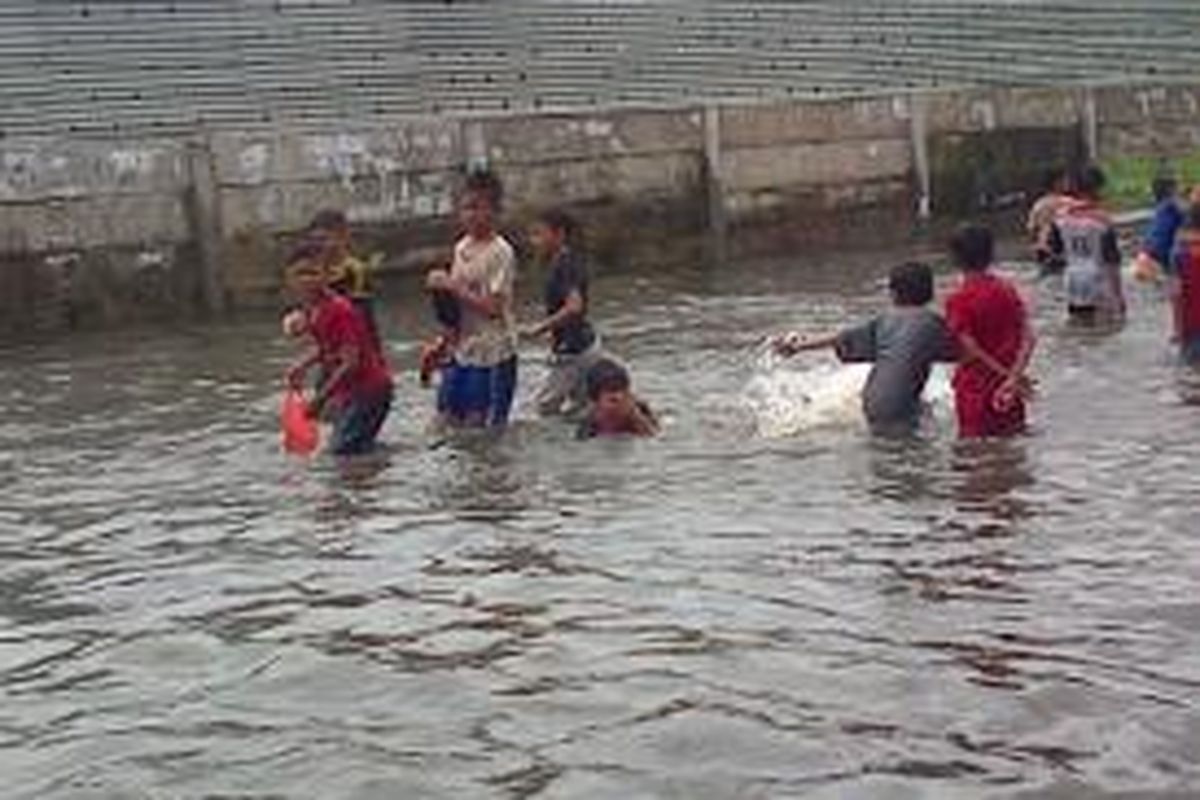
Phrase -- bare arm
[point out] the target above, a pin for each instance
(571, 309)
(791, 344)
(347, 360)
(294, 377)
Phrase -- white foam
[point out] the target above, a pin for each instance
(813, 392)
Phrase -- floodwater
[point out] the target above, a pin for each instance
(763, 603)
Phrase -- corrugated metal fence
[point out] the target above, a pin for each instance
(70, 67)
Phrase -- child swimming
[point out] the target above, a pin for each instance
(903, 344)
(614, 409)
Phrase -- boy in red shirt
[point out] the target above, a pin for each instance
(1184, 282)
(987, 316)
(355, 388)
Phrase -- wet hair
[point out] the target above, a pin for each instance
(606, 376)
(1163, 188)
(558, 220)
(485, 182)
(329, 219)
(973, 248)
(1052, 176)
(307, 250)
(911, 284)
(1089, 181)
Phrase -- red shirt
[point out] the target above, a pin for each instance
(989, 309)
(336, 325)
(1186, 267)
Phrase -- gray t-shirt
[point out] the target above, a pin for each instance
(903, 343)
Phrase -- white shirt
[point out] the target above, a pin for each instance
(487, 267)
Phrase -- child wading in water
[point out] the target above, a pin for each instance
(480, 379)
(573, 344)
(1055, 199)
(995, 343)
(903, 344)
(355, 388)
(1085, 239)
(346, 274)
(1184, 282)
(614, 409)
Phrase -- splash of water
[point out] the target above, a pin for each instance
(788, 398)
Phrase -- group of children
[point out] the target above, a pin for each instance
(985, 329)
(475, 351)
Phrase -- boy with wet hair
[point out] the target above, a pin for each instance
(355, 388)
(347, 275)
(1084, 237)
(995, 342)
(614, 409)
(903, 344)
(573, 343)
(1184, 287)
(1055, 198)
(479, 380)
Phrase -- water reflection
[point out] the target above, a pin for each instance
(765, 602)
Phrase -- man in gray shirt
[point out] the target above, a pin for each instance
(903, 344)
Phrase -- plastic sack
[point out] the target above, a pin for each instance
(301, 436)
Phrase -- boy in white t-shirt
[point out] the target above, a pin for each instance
(480, 380)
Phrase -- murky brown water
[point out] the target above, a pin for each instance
(718, 614)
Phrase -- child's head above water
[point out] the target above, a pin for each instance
(1055, 179)
(304, 274)
(1089, 182)
(608, 383)
(973, 248)
(482, 195)
(1164, 188)
(911, 284)
(330, 230)
(551, 231)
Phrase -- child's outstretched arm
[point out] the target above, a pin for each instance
(790, 344)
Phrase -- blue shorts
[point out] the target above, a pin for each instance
(357, 424)
(478, 395)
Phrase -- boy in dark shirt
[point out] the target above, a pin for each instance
(902, 343)
(614, 409)
(572, 339)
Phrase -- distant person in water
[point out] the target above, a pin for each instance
(995, 342)
(1158, 240)
(1054, 199)
(614, 409)
(355, 388)
(573, 345)
(1085, 238)
(1183, 277)
(346, 273)
(902, 343)
(479, 379)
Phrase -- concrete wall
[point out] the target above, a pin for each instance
(109, 230)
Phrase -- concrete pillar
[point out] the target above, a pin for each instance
(202, 206)
(1091, 128)
(919, 133)
(714, 180)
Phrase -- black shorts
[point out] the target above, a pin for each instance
(1083, 315)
